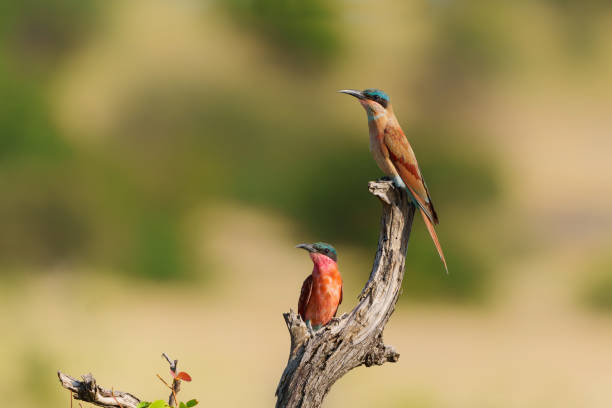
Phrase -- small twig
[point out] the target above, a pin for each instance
(176, 383)
(168, 385)
(172, 364)
(174, 395)
(115, 398)
(164, 381)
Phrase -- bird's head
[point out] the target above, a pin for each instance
(375, 102)
(320, 252)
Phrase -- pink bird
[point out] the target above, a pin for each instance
(395, 157)
(321, 292)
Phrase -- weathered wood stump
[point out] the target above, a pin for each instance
(316, 362)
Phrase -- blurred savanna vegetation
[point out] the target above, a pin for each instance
(157, 144)
(174, 143)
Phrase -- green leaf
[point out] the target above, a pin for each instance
(182, 405)
(192, 403)
(158, 404)
(143, 404)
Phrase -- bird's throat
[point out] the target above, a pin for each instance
(322, 263)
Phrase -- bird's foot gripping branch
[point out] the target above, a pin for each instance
(317, 361)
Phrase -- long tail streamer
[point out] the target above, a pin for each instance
(434, 237)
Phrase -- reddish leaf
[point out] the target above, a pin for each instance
(183, 376)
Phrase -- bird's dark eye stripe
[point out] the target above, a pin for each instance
(380, 100)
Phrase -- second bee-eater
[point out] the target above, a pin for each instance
(322, 290)
(394, 155)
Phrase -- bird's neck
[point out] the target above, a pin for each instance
(373, 116)
(323, 264)
(391, 119)
(379, 122)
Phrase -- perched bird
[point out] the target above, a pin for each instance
(322, 290)
(394, 155)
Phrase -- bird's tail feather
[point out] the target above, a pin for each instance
(434, 237)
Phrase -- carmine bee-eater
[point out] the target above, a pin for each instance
(394, 155)
(322, 290)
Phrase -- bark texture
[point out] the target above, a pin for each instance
(88, 391)
(354, 339)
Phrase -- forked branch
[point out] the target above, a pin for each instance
(354, 339)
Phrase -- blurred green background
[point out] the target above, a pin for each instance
(159, 161)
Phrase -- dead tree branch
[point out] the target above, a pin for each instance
(88, 391)
(315, 363)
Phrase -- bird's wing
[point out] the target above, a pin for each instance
(339, 302)
(305, 296)
(402, 156)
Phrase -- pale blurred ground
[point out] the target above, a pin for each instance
(529, 342)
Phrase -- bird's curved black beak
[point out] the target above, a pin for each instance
(307, 247)
(353, 92)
